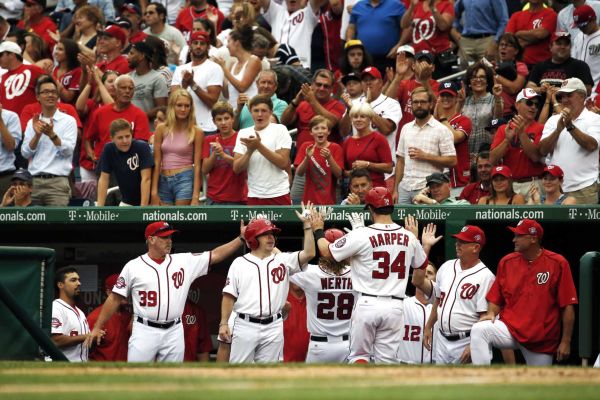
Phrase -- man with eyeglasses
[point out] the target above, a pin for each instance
(17, 86)
(49, 142)
(516, 144)
(426, 146)
(570, 139)
(158, 283)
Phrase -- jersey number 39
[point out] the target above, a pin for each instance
(384, 267)
(147, 299)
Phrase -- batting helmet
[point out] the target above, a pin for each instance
(333, 234)
(378, 197)
(258, 227)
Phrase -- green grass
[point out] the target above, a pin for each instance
(58, 381)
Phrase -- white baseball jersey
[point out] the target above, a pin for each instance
(70, 321)
(206, 74)
(261, 285)
(415, 317)
(588, 50)
(265, 180)
(159, 291)
(329, 300)
(462, 295)
(379, 255)
(294, 29)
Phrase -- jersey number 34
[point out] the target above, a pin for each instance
(384, 267)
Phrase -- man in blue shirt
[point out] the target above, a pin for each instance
(131, 161)
(376, 23)
(478, 26)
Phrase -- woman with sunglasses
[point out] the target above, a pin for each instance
(501, 191)
(552, 179)
(510, 72)
(482, 104)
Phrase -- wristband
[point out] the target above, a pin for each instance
(319, 234)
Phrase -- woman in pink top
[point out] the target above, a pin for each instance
(177, 175)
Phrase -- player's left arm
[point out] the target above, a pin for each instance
(62, 341)
(222, 252)
(568, 320)
(308, 252)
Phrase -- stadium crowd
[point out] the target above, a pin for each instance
(261, 102)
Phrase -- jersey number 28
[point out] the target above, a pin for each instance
(384, 267)
(327, 302)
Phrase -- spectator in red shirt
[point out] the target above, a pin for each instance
(224, 186)
(478, 189)
(195, 333)
(34, 20)
(17, 86)
(532, 28)
(311, 100)
(511, 73)
(322, 162)
(198, 9)
(369, 149)
(447, 111)
(113, 346)
(111, 42)
(98, 133)
(430, 23)
(533, 295)
(516, 144)
(501, 191)
(67, 72)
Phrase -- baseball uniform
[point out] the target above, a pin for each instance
(531, 295)
(158, 293)
(461, 295)
(415, 316)
(260, 287)
(330, 299)
(70, 321)
(379, 255)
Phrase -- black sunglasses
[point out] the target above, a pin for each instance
(531, 102)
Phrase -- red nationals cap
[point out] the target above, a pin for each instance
(371, 71)
(502, 170)
(160, 229)
(471, 234)
(528, 227)
(554, 170)
(200, 36)
(583, 15)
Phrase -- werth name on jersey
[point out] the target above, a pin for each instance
(340, 283)
(388, 239)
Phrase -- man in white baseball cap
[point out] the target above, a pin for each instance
(517, 143)
(570, 139)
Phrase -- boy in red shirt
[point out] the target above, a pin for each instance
(321, 161)
(224, 186)
(534, 294)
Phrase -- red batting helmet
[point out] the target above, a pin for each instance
(378, 197)
(257, 227)
(333, 234)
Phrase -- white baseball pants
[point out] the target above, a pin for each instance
(148, 344)
(448, 351)
(335, 350)
(256, 343)
(486, 334)
(375, 330)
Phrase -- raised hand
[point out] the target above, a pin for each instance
(356, 220)
(411, 224)
(428, 237)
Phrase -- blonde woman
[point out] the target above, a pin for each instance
(177, 175)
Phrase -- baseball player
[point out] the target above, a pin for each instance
(460, 289)
(329, 303)
(416, 311)
(379, 256)
(69, 325)
(256, 289)
(113, 346)
(534, 295)
(158, 284)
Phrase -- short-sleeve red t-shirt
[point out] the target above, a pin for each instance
(119, 64)
(187, 15)
(224, 186)
(41, 29)
(70, 79)
(196, 335)
(319, 187)
(528, 20)
(515, 157)
(113, 346)
(532, 295)
(461, 173)
(17, 87)
(425, 33)
(373, 148)
(295, 333)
